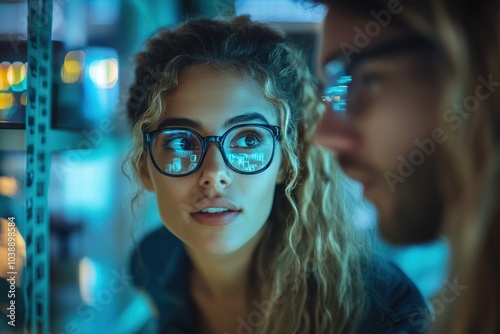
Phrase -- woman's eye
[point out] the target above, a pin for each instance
(249, 140)
(184, 144)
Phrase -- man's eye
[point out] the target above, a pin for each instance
(369, 81)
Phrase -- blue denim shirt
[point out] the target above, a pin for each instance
(160, 267)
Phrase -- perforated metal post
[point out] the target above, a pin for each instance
(36, 277)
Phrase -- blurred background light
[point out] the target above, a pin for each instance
(16, 76)
(72, 66)
(13, 83)
(8, 186)
(88, 271)
(88, 87)
(6, 100)
(4, 82)
(100, 83)
(104, 73)
(280, 10)
(16, 73)
(24, 98)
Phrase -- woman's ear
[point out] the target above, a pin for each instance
(144, 173)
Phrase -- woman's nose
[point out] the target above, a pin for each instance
(214, 171)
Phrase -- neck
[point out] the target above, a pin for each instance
(223, 276)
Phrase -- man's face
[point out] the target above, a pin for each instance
(383, 95)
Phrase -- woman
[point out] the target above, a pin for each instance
(422, 133)
(256, 237)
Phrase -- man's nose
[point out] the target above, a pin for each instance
(336, 132)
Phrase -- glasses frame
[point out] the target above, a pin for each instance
(389, 47)
(149, 137)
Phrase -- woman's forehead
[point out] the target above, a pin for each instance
(211, 96)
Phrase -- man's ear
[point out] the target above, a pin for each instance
(144, 173)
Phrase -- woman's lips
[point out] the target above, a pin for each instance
(215, 219)
(206, 211)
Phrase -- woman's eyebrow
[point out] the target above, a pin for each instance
(180, 122)
(245, 118)
(189, 123)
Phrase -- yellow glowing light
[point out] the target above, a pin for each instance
(8, 186)
(4, 82)
(15, 248)
(72, 67)
(16, 73)
(6, 100)
(24, 98)
(104, 73)
(87, 272)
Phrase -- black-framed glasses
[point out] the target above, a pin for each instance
(246, 148)
(339, 77)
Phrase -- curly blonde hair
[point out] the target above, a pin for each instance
(307, 266)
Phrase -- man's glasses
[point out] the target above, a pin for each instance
(336, 92)
(340, 80)
(246, 148)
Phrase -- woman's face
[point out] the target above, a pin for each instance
(211, 102)
(389, 137)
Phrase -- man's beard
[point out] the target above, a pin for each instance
(418, 207)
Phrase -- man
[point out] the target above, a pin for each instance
(414, 115)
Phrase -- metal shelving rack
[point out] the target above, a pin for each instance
(36, 278)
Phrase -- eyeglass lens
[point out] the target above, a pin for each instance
(336, 92)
